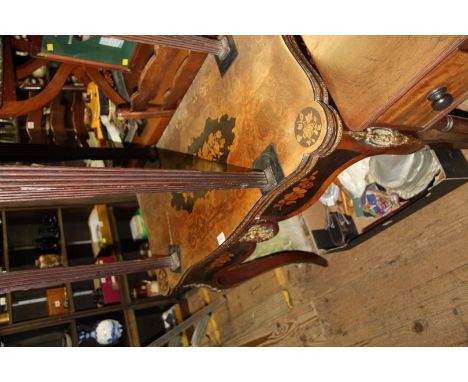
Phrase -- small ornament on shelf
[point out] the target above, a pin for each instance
(105, 332)
(49, 261)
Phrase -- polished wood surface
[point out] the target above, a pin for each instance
(194, 43)
(270, 100)
(34, 119)
(414, 110)
(366, 75)
(29, 67)
(257, 98)
(167, 91)
(154, 74)
(104, 86)
(53, 88)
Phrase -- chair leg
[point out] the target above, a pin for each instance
(242, 272)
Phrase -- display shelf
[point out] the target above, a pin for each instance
(75, 225)
(93, 319)
(41, 337)
(6, 264)
(32, 312)
(70, 307)
(150, 323)
(132, 327)
(5, 258)
(29, 235)
(29, 305)
(128, 248)
(83, 295)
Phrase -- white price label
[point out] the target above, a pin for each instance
(113, 42)
(2, 300)
(221, 238)
(30, 125)
(57, 303)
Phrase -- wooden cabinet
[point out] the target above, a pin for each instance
(385, 80)
(54, 316)
(415, 111)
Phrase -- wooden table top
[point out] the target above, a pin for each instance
(231, 120)
(268, 98)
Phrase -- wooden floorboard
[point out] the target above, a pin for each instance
(407, 286)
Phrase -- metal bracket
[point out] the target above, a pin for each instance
(227, 56)
(176, 259)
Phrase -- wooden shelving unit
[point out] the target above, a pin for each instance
(29, 322)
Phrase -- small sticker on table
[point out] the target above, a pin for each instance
(125, 61)
(30, 125)
(110, 41)
(50, 47)
(221, 238)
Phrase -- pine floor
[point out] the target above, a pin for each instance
(407, 286)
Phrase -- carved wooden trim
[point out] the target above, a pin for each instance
(154, 74)
(195, 43)
(77, 109)
(318, 86)
(41, 278)
(150, 112)
(36, 132)
(17, 108)
(36, 183)
(239, 273)
(29, 67)
(104, 86)
(80, 73)
(332, 118)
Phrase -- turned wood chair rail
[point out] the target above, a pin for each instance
(43, 278)
(195, 43)
(36, 183)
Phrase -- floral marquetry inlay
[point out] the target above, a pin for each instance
(298, 192)
(214, 145)
(220, 261)
(212, 149)
(308, 127)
